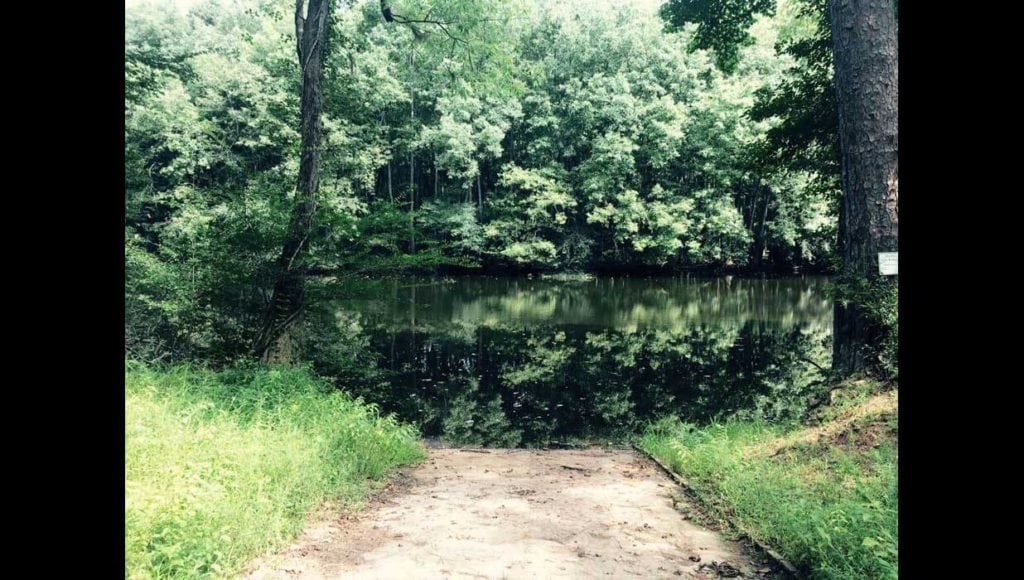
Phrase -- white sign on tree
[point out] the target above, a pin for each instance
(887, 263)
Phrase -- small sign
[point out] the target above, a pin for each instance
(887, 263)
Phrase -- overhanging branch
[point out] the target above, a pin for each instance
(391, 16)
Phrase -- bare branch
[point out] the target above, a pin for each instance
(804, 359)
(391, 16)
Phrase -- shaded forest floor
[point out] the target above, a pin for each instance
(503, 513)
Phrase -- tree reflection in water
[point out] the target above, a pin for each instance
(518, 362)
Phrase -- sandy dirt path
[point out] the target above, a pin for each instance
(518, 514)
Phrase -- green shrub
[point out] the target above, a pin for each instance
(879, 298)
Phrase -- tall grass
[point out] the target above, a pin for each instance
(831, 511)
(221, 467)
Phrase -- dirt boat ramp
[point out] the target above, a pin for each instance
(516, 513)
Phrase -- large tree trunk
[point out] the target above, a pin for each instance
(278, 340)
(865, 52)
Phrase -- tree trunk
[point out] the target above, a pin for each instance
(761, 236)
(865, 52)
(412, 163)
(277, 340)
(387, 130)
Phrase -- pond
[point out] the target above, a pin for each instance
(519, 362)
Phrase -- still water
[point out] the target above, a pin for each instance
(512, 362)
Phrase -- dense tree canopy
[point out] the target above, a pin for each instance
(476, 134)
(841, 107)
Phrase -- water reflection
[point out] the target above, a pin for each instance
(510, 362)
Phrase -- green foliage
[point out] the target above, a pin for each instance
(878, 298)
(469, 130)
(805, 102)
(156, 47)
(806, 138)
(222, 467)
(541, 138)
(546, 359)
(474, 421)
(723, 24)
(530, 209)
(455, 227)
(800, 144)
(583, 357)
(830, 510)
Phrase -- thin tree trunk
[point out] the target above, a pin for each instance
(479, 195)
(412, 164)
(865, 53)
(762, 242)
(391, 195)
(753, 207)
(278, 339)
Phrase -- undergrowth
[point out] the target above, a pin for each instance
(221, 467)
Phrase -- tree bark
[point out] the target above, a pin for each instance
(865, 52)
(412, 162)
(278, 339)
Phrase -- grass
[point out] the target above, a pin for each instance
(825, 496)
(221, 467)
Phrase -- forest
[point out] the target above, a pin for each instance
(515, 138)
(359, 229)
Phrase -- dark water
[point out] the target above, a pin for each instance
(529, 362)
